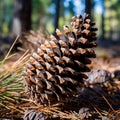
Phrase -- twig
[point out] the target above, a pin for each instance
(12, 107)
(97, 111)
(108, 103)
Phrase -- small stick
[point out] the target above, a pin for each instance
(108, 103)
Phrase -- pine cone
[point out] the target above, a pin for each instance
(56, 70)
(30, 41)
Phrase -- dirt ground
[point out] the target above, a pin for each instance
(98, 100)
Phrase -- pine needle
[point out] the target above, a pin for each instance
(108, 103)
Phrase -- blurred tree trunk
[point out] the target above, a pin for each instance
(56, 23)
(102, 24)
(89, 4)
(22, 16)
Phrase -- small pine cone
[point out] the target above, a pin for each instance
(56, 70)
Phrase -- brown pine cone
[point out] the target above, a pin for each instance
(56, 70)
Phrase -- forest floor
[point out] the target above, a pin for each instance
(100, 99)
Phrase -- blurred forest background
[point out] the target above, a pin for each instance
(17, 16)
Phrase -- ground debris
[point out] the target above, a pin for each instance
(32, 115)
(84, 113)
(99, 102)
(98, 76)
